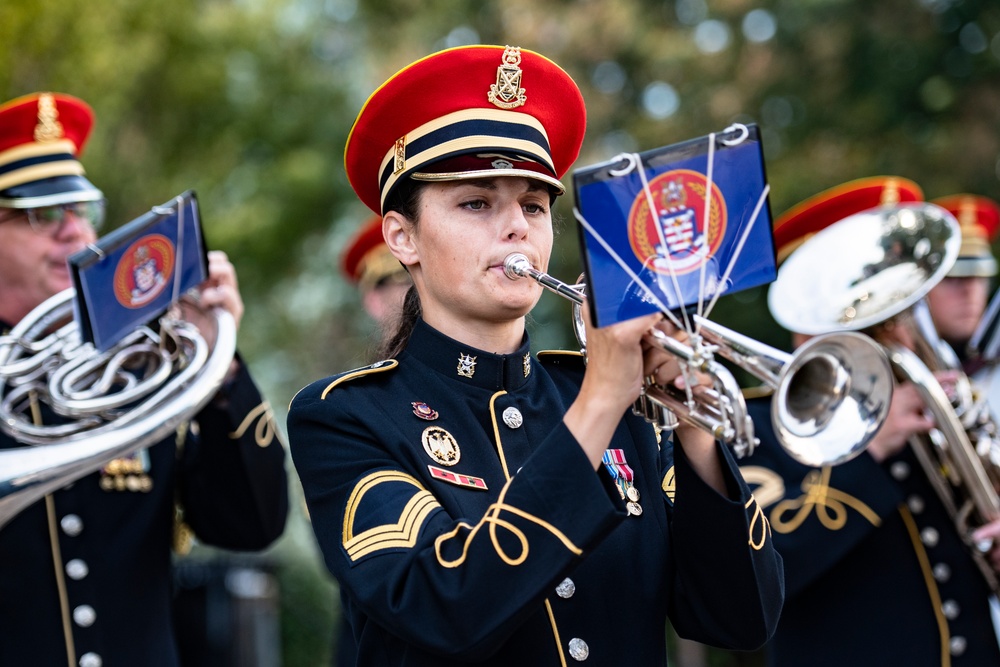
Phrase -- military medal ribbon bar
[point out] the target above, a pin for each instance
(621, 472)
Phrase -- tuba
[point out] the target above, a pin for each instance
(887, 260)
(99, 406)
(833, 394)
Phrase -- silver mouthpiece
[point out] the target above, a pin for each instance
(516, 265)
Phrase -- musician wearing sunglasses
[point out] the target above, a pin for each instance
(481, 504)
(876, 569)
(85, 572)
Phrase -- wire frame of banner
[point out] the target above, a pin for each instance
(670, 231)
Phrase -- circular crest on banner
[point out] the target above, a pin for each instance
(679, 198)
(144, 270)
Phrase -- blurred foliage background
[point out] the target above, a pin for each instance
(249, 103)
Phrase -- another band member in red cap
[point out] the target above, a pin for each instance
(867, 540)
(480, 504)
(85, 574)
(958, 302)
(381, 280)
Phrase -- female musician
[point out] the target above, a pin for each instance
(479, 504)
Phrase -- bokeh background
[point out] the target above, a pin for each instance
(249, 103)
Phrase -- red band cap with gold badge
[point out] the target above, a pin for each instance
(468, 112)
(796, 225)
(41, 138)
(367, 260)
(979, 219)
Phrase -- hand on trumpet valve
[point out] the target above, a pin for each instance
(985, 539)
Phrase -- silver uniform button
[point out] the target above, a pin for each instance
(950, 609)
(84, 616)
(566, 588)
(900, 470)
(957, 645)
(929, 536)
(578, 649)
(512, 417)
(77, 569)
(71, 524)
(916, 504)
(942, 573)
(90, 660)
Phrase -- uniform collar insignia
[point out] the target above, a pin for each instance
(466, 365)
(527, 364)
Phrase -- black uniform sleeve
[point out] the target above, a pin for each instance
(232, 482)
(729, 577)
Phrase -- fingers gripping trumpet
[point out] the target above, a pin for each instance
(831, 396)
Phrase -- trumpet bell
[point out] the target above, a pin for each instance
(831, 398)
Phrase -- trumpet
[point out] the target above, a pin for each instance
(833, 394)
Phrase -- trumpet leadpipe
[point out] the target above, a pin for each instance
(516, 265)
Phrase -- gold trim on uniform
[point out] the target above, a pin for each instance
(402, 533)
(767, 485)
(758, 519)
(492, 518)
(265, 430)
(527, 364)
(377, 367)
(830, 505)
(466, 365)
(440, 445)
(669, 484)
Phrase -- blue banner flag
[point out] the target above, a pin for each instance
(131, 276)
(676, 226)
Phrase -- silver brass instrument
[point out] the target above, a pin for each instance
(833, 395)
(886, 260)
(108, 405)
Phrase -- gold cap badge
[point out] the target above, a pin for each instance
(507, 93)
(49, 128)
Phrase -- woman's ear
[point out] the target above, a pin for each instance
(398, 233)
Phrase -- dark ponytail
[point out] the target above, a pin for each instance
(405, 200)
(392, 346)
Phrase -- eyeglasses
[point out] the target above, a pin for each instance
(49, 220)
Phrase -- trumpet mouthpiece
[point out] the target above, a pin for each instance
(516, 265)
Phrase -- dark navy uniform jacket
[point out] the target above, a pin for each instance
(465, 523)
(98, 564)
(875, 571)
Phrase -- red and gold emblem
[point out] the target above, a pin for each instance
(678, 235)
(144, 271)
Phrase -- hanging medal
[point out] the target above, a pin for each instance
(621, 472)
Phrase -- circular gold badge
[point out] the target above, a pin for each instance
(440, 445)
